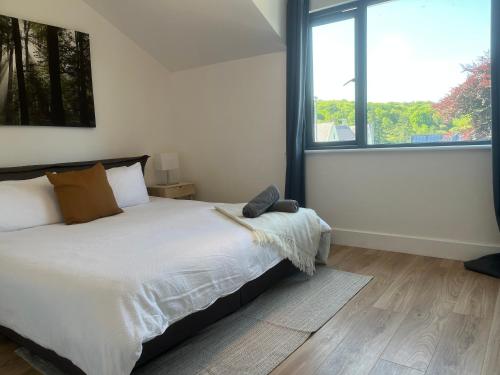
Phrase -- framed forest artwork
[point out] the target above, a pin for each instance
(45, 75)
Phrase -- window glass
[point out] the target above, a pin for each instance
(334, 81)
(428, 71)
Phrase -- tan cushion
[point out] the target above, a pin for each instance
(84, 195)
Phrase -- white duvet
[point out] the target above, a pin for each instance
(95, 292)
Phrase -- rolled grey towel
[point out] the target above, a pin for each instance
(285, 205)
(261, 203)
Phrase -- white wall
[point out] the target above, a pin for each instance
(430, 202)
(230, 127)
(130, 93)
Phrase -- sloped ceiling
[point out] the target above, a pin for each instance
(183, 34)
(275, 13)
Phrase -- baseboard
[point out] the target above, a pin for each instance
(435, 247)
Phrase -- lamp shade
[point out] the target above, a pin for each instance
(166, 161)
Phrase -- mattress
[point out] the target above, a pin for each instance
(94, 292)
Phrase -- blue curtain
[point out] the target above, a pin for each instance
(495, 101)
(490, 264)
(297, 97)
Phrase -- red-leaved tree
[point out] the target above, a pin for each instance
(471, 99)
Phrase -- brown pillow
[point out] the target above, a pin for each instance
(84, 195)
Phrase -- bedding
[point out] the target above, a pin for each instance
(27, 203)
(128, 185)
(95, 292)
(293, 236)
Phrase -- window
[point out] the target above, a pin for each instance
(401, 73)
(330, 71)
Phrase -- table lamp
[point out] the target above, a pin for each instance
(165, 163)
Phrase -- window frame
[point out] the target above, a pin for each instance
(357, 10)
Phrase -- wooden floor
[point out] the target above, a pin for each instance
(419, 315)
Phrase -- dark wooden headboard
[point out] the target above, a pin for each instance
(33, 171)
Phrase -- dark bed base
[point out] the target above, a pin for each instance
(224, 306)
(179, 331)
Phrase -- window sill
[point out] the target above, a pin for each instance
(401, 149)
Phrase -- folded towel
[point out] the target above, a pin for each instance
(261, 203)
(285, 205)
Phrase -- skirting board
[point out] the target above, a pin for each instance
(434, 247)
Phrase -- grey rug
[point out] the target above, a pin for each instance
(258, 337)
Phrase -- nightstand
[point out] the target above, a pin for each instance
(182, 190)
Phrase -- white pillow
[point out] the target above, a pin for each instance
(128, 185)
(28, 203)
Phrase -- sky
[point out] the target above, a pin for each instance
(415, 49)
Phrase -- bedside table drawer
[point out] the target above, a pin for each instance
(183, 190)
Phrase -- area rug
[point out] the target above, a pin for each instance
(258, 337)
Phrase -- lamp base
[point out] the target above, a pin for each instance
(168, 179)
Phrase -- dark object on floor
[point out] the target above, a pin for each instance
(489, 265)
(285, 205)
(261, 203)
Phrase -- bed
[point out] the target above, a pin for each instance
(116, 292)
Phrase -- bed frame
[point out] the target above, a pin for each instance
(177, 332)
(33, 171)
